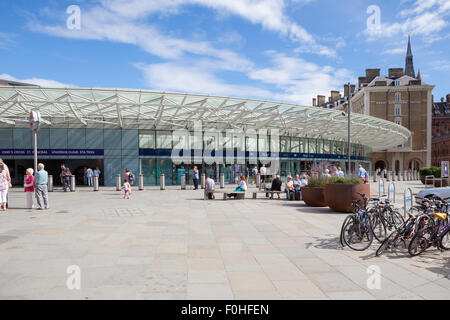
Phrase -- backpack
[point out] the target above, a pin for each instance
(131, 177)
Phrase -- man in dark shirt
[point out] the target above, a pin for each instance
(65, 177)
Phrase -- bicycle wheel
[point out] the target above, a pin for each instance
(341, 239)
(444, 242)
(417, 245)
(357, 235)
(378, 227)
(397, 219)
(386, 243)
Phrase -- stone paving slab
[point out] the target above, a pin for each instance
(171, 244)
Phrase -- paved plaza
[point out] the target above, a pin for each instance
(171, 244)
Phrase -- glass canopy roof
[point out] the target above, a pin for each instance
(139, 109)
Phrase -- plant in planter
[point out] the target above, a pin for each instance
(340, 192)
(313, 193)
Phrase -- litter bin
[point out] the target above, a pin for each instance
(162, 181)
(72, 184)
(96, 183)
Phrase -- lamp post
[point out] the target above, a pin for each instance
(34, 121)
(349, 130)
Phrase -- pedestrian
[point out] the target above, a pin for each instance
(41, 187)
(5, 184)
(65, 177)
(97, 172)
(126, 189)
(29, 188)
(195, 178)
(254, 174)
(340, 172)
(289, 188)
(7, 170)
(362, 173)
(89, 175)
(129, 176)
(326, 174)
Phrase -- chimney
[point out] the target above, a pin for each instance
(352, 88)
(372, 74)
(335, 95)
(361, 80)
(320, 100)
(395, 72)
(314, 102)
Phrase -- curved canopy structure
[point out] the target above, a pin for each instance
(141, 109)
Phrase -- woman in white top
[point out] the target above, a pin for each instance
(241, 188)
(5, 184)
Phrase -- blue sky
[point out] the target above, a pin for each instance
(282, 50)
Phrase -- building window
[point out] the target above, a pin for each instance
(147, 139)
(398, 110)
(397, 83)
(398, 121)
(285, 144)
(397, 96)
(164, 139)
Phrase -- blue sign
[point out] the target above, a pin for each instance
(52, 152)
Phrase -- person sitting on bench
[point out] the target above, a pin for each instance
(289, 189)
(210, 185)
(276, 186)
(241, 188)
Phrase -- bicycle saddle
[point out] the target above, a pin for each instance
(441, 216)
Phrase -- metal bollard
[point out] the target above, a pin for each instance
(118, 183)
(202, 181)
(141, 182)
(162, 181)
(183, 182)
(96, 183)
(50, 183)
(258, 180)
(222, 181)
(72, 184)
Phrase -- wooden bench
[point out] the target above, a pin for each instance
(225, 193)
(255, 193)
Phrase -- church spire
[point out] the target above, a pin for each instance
(409, 65)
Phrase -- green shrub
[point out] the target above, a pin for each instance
(431, 171)
(346, 180)
(317, 182)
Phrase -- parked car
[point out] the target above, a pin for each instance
(441, 193)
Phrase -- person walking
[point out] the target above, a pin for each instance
(29, 188)
(129, 176)
(254, 174)
(41, 187)
(362, 173)
(5, 184)
(89, 175)
(65, 177)
(276, 185)
(195, 178)
(7, 170)
(126, 189)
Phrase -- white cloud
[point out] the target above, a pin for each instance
(37, 81)
(183, 77)
(426, 18)
(298, 80)
(121, 20)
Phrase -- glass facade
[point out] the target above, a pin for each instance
(150, 152)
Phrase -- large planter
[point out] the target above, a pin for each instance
(437, 184)
(314, 197)
(339, 197)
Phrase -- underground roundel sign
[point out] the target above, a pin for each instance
(34, 120)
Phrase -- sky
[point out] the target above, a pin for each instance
(277, 50)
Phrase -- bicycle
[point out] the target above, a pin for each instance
(357, 229)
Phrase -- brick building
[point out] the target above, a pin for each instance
(440, 150)
(401, 97)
